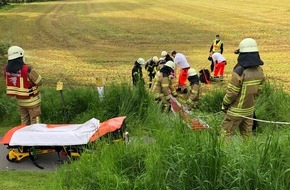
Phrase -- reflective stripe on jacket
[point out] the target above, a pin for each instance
(21, 85)
(242, 91)
(162, 86)
(216, 47)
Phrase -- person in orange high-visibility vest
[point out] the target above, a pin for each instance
(23, 82)
(216, 46)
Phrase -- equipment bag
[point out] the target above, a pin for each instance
(204, 76)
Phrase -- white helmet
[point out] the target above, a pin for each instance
(15, 52)
(248, 45)
(163, 53)
(170, 64)
(141, 61)
(155, 59)
(192, 72)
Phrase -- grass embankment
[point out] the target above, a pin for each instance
(164, 153)
(74, 41)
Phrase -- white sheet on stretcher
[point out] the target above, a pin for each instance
(40, 135)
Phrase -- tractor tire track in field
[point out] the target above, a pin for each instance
(76, 40)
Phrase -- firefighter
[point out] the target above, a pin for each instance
(166, 56)
(216, 46)
(151, 67)
(246, 82)
(137, 76)
(162, 86)
(22, 82)
(160, 63)
(194, 91)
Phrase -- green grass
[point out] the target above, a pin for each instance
(24, 180)
(164, 153)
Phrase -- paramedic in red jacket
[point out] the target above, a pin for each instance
(23, 83)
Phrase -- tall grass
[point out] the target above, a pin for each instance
(165, 154)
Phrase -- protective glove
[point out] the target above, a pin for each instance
(209, 58)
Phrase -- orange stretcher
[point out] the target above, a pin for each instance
(112, 129)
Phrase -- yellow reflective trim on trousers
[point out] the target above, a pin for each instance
(242, 109)
(164, 85)
(29, 102)
(239, 114)
(38, 80)
(233, 87)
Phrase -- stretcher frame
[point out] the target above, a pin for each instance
(113, 130)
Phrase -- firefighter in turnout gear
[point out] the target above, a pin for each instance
(151, 67)
(245, 84)
(23, 82)
(194, 92)
(216, 46)
(161, 62)
(162, 86)
(166, 56)
(137, 76)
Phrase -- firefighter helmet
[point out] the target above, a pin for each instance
(141, 61)
(155, 59)
(192, 72)
(170, 64)
(163, 53)
(15, 52)
(248, 45)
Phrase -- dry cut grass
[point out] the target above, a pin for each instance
(75, 41)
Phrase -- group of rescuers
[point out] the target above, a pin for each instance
(22, 82)
(242, 90)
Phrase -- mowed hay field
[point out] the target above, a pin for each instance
(77, 40)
